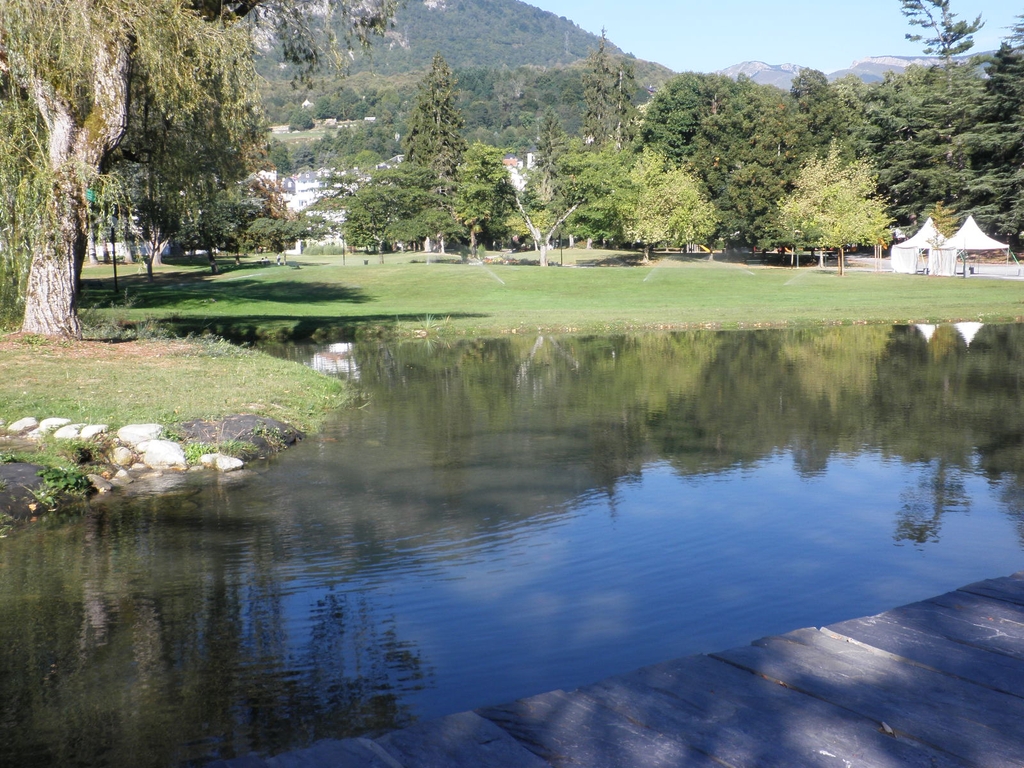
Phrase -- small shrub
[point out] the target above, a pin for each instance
(195, 451)
(59, 482)
(271, 435)
(240, 449)
(64, 479)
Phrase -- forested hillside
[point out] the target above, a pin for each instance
(512, 62)
(468, 33)
(501, 107)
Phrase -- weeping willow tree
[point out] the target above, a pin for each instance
(76, 66)
(21, 198)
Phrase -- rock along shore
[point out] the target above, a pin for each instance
(134, 452)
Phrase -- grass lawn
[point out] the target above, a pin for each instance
(166, 382)
(328, 296)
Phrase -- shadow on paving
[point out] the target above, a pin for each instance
(936, 683)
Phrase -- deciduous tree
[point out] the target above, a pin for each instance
(578, 181)
(484, 191)
(835, 205)
(665, 205)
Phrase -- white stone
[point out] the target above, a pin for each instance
(122, 456)
(164, 454)
(133, 434)
(100, 483)
(48, 425)
(68, 432)
(91, 430)
(121, 479)
(23, 425)
(220, 462)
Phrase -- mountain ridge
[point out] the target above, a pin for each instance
(869, 69)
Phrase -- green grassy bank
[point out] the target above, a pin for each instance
(328, 297)
(165, 382)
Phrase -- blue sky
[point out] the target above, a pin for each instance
(714, 34)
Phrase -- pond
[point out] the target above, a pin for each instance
(505, 517)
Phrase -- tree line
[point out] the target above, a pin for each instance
(826, 164)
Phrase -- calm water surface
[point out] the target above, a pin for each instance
(505, 517)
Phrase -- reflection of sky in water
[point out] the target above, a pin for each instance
(671, 566)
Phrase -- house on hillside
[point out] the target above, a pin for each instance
(514, 166)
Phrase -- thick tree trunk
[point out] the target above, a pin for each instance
(50, 305)
(79, 145)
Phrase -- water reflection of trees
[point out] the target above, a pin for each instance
(712, 401)
(127, 642)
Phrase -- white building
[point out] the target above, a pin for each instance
(301, 190)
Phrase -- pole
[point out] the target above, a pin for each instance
(113, 246)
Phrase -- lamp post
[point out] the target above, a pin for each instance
(796, 259)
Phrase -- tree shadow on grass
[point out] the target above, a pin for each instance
(242, 291)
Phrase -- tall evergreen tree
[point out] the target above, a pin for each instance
(995, 193)
(916, 131)
(434, 138)
(946, 36)
(608, 87)
(551, 145)
(821, 116)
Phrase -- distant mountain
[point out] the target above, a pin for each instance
(870, 70)
(469, 34)
(779, 75)
(873, 68)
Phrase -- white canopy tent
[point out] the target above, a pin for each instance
(971, 238)
(905, 254)
(942, 261)
(942, 252)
